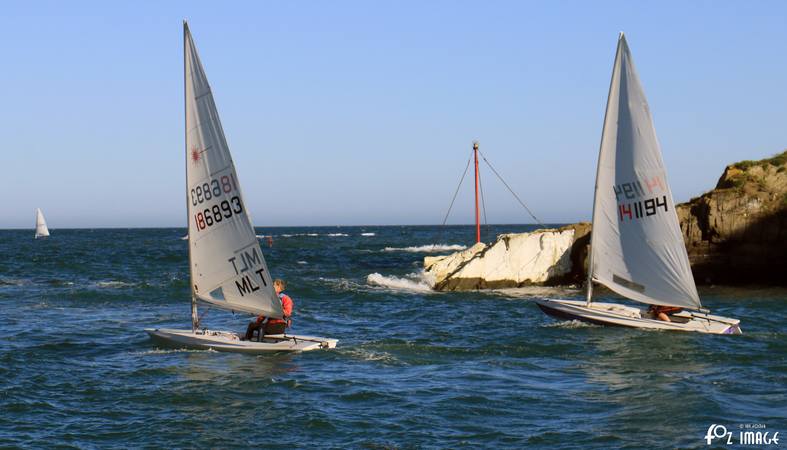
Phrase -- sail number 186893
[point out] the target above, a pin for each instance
(217, 213)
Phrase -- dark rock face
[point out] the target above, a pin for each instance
(737, 233)
(580, 251)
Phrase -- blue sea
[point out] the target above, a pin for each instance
(413, 368)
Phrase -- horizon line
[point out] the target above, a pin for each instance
(290, 226)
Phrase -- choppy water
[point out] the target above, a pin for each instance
(414, 369)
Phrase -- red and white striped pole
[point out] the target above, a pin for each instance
(477, 217)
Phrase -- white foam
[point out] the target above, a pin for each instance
(370, 355)
(160, 351)
(368, 234)
(113, 284)
(336, 234)
(417, 282)
(570, 324)
(302, 262)
(342, 284)
(538, 291)
(432, 248)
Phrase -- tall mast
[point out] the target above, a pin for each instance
(194, 315)
(589, 281)
(477, 221)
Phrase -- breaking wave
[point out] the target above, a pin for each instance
(433, 248)
(368, 234)
(418, 282)
(337, 234)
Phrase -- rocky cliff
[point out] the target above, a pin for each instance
(735, 234)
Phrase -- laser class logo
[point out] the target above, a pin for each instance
(748, 434)
(195, 155)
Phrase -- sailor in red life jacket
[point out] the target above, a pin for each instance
(273, 325)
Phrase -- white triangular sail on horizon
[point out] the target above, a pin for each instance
(41, 228)
(637, 246)
(228, 268)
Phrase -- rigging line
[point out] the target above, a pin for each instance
(199, 319)
(511, 190)
(457, 188)
(483, 203)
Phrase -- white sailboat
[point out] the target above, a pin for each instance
(637, 248)
(227, 266)
(41, 229)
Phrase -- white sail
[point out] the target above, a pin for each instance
(638, 248)
(41, 229)
(227, 265)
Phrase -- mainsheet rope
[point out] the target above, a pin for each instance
(199, 319)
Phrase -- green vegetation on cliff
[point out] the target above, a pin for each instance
(776, 161)
(737, 233)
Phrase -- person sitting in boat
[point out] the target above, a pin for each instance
(273, 325)
(663, 312)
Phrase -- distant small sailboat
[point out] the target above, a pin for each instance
(41, 229)
(637, 248)
(226, 263)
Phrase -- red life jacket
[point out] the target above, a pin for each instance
(286, 306)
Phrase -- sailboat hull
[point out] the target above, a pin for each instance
(228, 341)
(611, 314)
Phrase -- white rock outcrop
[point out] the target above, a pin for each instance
(441, 267)
(519, 259)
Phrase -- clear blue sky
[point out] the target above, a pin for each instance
(366, 110)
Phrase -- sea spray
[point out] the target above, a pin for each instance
(418, 281)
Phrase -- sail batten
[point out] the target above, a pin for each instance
(227, 265)
(637, 245)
